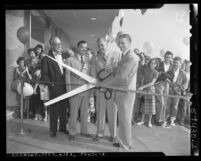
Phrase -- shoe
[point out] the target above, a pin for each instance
(181, 123)
(36, 118)
(40, 117)
(150, 125)
(86, 135)
(113, 139)
(167, 126)
(71, 137)
(172, 124)
(140, 123)
(53, 134)
(117, 145)
(45, 119)
(64, 131)
(164, 124)
(157, 123)
(133, 122)
(97, 138)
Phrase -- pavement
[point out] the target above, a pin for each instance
(174, 141)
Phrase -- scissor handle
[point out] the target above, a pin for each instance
(99, 75)
(108, 94)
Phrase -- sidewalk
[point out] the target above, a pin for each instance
(172, 141)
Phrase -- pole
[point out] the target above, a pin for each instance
(22, 104)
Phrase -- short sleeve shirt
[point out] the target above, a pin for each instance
(149, 75)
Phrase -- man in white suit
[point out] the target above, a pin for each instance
(103, 62)
(125, 77)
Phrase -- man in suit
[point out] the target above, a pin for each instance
(104, 62)
(53, 74)
(184, 107)
(176, 87)
(162, 87)
(166, 65)
(81, 62)
(125, 77)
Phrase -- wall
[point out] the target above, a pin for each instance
(14, 49)
(165, 28)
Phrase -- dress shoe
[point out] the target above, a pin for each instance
(97, 138)
(117, 145)
(181, 123)
(86, 135)
(113, 139)
(53, 134)
(149, 125)
(71, 137)
(140, 123)
(158, 123)
(64, 131)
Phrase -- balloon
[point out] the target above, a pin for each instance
(186, 40)
(111, 37)
(143, 11)
(162, 53)
(148, 47)
(23, 34)
(27, 89)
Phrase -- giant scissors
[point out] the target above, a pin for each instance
(93, 83)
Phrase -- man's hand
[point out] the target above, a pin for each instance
(140, 88)
(99, 84)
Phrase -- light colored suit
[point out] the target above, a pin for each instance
(125, 77)
(80, 101)
(103, 105)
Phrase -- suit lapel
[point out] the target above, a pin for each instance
(55, 64)
(125, 56)
(76, 63)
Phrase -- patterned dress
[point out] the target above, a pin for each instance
(149, 101)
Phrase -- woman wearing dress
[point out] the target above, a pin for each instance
(150, 76)
(20, 72)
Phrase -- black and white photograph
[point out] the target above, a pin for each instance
(100, 81)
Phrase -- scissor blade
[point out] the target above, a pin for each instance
(70, 94)
(77, 72)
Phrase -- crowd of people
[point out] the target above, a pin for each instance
(126, 69)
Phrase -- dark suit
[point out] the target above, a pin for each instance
(161, 68)
(50, 72)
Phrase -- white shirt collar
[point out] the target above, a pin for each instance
(176, 73)
(125, 51)
(166, 67)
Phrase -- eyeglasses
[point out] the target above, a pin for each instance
(59, 44)
(169, 57)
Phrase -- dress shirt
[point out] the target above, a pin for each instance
(166, 67)
(59, 59)
(176, 73)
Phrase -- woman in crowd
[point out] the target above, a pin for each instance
(150, 75)
(39, 51)
(31, 55)
(20, 72)
(36, 105)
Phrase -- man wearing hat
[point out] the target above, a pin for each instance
(53, 74)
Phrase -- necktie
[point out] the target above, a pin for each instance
(104, 58)
(82, 62)
(122, 55)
